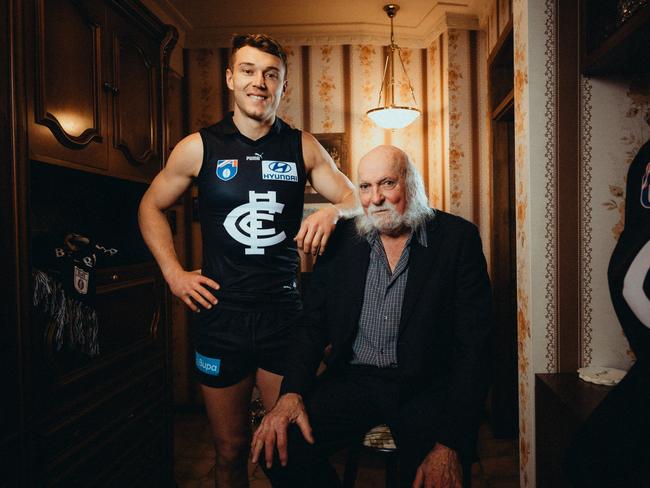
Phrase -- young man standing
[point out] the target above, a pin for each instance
(251, 169)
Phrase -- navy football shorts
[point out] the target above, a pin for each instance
(231, 344)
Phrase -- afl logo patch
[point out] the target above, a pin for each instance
(226, 169)
(279, 170)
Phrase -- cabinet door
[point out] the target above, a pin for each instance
(68, 116)
(135, 151)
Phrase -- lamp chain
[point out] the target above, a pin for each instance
(388, 115)
(390, 61)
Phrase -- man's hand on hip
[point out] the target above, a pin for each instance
(190, 287)
(440, 469)
(289, 409)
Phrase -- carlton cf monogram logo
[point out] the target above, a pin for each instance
(244, 223)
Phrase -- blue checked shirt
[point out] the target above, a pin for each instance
(376, 341)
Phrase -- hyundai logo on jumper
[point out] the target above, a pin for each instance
(279, 170)
(208, 365)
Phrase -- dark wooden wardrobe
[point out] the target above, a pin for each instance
(82, 133)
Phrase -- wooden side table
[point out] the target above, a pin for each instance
(562, 403)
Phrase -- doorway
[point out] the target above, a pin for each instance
(504, 405)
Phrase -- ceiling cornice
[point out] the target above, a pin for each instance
(337, 34)
(448, 21)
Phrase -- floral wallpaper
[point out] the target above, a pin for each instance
(450, 126)
(459, 115)
(411, 138)
(483, 140)
(326, 75)
(618, 124)
(366, 69)
(524, 313)
(205, 86)
(291, 109)
(436, 183)
(637, 118)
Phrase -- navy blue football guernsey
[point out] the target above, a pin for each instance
(251, 196)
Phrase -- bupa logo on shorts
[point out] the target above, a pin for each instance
(279, 170)
(208, 365)
(226, 169)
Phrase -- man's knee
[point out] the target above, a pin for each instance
(231, 452)
(297, 446)
(299, 451)
(307, 465)
(410, 454)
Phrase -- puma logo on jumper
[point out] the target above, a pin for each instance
(255, 157)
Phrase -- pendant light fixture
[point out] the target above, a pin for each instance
(387, 114)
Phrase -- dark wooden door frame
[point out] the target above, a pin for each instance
(504, 398)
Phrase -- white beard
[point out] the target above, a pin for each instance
(389, 221)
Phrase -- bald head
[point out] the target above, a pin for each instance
(391, 192)
(385, 157)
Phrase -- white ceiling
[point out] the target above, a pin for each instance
(209, 23)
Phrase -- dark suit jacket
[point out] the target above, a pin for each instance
(444, 329)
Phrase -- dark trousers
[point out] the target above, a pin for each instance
(341, 410)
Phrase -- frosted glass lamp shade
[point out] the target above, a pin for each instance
(393, 117)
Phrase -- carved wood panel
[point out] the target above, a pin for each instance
(68, 104)
(136, 120)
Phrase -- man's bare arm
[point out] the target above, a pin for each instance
(184, 163)
(334, 186)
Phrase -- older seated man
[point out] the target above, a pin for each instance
(403, 297)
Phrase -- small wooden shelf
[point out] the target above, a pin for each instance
(503, 38)
(625, 51)
(503, 104)
(501, 70)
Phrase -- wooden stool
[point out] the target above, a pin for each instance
(378, 439)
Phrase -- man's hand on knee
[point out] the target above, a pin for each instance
(440, 469)
(289, 409)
